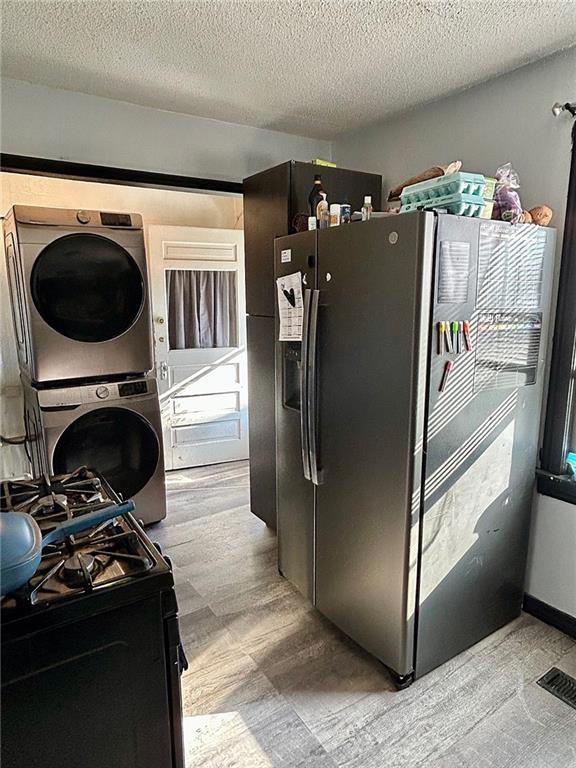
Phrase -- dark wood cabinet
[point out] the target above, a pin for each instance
(272, 198)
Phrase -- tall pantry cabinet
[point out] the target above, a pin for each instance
(272, 198)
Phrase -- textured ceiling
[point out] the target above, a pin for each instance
(311, 68)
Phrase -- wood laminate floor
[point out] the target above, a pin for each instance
(271, 684)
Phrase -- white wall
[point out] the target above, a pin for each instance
(506, 119)
(57, 124)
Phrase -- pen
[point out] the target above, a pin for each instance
(447, 370)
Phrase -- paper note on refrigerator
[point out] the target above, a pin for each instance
(290, 307)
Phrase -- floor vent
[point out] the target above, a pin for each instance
(561, 685)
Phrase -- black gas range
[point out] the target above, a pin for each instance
(91, 655)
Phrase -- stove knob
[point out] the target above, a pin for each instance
(102, 392)
(83, 217)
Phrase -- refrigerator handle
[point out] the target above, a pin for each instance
(311, 394)
(304, 442)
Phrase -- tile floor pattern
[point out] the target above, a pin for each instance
(271, 684)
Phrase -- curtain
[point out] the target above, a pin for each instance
(560, 426)
(202, 309)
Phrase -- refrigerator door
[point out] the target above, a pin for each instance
(482, 431)
(375, 282)
(295, 493)
(260, 334)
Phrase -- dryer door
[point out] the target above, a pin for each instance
(119, 443)
(87, 287)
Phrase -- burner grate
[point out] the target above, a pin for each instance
(106, 554)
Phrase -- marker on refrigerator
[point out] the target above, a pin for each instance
(460, 336)
(467, 336)
(447, 370)
(441, 337)
(448, 336)
(454, 334)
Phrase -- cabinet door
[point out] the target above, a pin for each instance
(339, 184)
(261, 413)
(266, 201)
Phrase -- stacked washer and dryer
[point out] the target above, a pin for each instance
(80, 304)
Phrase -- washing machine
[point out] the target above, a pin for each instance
(114, 427)
(79, 291)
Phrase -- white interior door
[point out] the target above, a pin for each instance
(199, 312)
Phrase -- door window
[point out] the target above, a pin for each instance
(202, 308)
(87, 287)
(118, 443)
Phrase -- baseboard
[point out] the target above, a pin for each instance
(550, 615)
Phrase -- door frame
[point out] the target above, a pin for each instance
(43, 166)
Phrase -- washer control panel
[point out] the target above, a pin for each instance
(102, 392)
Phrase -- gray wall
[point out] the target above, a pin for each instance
(57, 124)
(506, 119)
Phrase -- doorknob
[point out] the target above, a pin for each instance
(163, 370)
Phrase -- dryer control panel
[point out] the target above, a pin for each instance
(132, 388)
(72, 397)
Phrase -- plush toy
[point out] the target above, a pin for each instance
(526, 217)
(507, 205)
(541, 215)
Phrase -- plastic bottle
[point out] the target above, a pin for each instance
(335, 214)
(367, 208)
(345, 212)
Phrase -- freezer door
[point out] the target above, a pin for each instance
(374, 279)
(482, 431)
(295, 491)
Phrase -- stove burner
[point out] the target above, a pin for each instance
(51, 504)
(107, 554)
(78, 568)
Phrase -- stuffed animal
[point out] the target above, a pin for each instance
(541, 215)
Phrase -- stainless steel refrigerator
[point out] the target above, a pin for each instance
(407, 428)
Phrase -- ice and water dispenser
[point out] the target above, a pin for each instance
(291, 359)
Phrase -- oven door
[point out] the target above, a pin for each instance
(118, 442)
(87, 287)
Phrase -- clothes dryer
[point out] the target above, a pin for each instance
(79, 290)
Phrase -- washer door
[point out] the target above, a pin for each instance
(87, 287)
(118, 443)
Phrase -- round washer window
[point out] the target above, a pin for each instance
(118, 443)
(87, 287)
